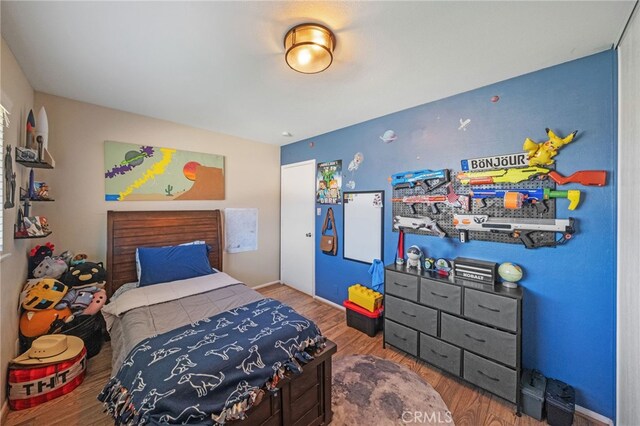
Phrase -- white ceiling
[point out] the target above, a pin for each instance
(220, 65)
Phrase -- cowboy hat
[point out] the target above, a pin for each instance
(51, 348)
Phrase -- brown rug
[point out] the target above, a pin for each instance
(368, 390)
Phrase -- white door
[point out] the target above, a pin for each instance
(297, 222)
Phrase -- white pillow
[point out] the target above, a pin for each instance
(139, 268)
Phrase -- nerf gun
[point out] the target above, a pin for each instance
(427, 179)
(516, 175)
(418, 223)
(517, 228)
(452, 199)
(514, 198)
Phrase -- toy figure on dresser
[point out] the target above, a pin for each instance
(414, 258)
(443, 267)
(510, 273)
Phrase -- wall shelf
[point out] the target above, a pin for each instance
(35, 164)
(29, 237)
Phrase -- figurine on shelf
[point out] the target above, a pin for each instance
(414, 258)
(41, 191)
(9, 179)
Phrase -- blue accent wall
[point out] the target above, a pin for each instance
(570, 291)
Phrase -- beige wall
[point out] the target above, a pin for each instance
(78, 217)
(17, 97)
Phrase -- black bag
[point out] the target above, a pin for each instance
(90, 328)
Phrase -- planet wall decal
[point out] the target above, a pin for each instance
(189, 170)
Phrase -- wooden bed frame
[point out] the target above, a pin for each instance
(302, 400)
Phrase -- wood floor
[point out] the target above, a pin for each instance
(469, 405)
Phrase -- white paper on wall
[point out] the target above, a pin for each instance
(241, 230)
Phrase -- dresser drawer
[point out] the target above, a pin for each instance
(402, 285)
(440, 354)
(441, 296)
(411, 314)
(498, 345)
(490, 376)
(491, 309)
(401, 337)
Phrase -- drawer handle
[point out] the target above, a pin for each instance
(401, 338)
(489, 309)
(440, 355)
(408, 314)
(475, 338)
(489, 377)
(400, 285)
(440, 295)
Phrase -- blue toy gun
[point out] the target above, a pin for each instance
(514, 198)
(427, 179)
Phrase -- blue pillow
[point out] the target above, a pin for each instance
(164, 264)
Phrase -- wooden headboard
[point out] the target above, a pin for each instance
(127, 230)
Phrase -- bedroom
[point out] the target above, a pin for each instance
(110, 74)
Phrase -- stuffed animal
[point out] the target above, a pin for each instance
(414, 255)
(65, 256)
(85, 274)
(78, 259)
(37, 323)
(99, 299)
(45, 294)
(541, 154)
(38, 253)
(50, 267)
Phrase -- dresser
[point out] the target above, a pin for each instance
(470, 330)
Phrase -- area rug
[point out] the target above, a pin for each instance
(368, 390)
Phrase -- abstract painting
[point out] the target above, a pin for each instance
(146, 173)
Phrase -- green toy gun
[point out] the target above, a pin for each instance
(514, 198)
(517, 228)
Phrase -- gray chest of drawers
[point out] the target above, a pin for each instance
(469, 330)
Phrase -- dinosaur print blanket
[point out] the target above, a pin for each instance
(211, 371)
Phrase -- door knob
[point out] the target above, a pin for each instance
(308, 234)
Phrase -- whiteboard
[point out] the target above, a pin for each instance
(241, 230)
(363, 214)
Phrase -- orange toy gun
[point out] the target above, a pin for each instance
(516, 175)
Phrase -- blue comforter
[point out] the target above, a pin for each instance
(211, 371)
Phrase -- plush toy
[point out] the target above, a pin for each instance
(37, 323)
(65, 256)
(45, 294)
(85, 274)
(541, 154)
(50, 267)
(38, 253)
(99, 299)
(414, 255)
(78, 259)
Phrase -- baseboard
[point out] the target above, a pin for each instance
(329, 302)
(4, 412)
(593, 415)
(266, 284)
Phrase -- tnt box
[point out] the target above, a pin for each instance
(32, 385)
(361, 319)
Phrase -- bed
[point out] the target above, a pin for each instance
(302, 399)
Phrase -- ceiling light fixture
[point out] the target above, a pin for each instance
(309, 48)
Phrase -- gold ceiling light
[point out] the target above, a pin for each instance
(309, 48)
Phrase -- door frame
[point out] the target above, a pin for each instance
(313, 230)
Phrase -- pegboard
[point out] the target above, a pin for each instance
(494, 208)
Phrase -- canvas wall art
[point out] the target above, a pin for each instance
(148, 173)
